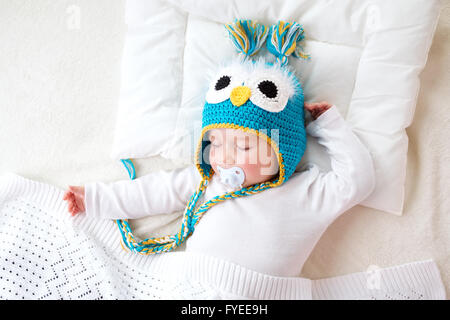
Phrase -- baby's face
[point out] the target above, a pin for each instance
(232, 147)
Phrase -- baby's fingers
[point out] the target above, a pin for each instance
(309, 105)
(74, 209)
(312, 106)
(67, 195)
(80, 206)
(71, 205)
(324, 104)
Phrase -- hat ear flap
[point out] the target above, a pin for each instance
(247, 35)
(283, 40)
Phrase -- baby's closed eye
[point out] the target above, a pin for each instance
(244, 148)
(245, 143)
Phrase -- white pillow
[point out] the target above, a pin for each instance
(366, 59)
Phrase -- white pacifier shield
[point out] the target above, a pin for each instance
(232, 177)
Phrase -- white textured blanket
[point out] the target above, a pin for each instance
(47, 254)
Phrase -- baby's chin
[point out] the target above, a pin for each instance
(257, 181)
(258, 175)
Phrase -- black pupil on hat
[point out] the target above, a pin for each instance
(223, 82)
(268, 88)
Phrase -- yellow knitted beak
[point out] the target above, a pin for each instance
(240, 95)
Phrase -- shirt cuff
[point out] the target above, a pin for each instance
(323, 120)
(89, 206)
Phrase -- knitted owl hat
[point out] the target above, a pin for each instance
(258, 97)
(262, 98)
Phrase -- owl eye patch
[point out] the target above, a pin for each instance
(222, 83)
(268, 88)
(271, 88)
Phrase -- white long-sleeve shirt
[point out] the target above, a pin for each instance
(273, 231)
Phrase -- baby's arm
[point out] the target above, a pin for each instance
(155, 193)
(352, 177)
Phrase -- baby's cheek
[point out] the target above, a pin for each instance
(212, 158)
(252, 170)
(262, 168)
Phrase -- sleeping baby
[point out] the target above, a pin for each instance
(247, 199)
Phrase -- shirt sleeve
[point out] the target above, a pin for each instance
(352, 175)
(155, 193)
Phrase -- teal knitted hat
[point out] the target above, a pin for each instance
(263, 98)
(259, 97)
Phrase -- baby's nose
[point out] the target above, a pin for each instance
(228, 156)
(228, 159)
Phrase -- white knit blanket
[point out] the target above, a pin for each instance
(47, 254)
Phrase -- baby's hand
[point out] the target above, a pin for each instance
(317, 108)
(75, 198)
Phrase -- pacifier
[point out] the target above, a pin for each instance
(232, 177)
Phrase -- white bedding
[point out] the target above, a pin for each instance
(172, 46)
(58, 106)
